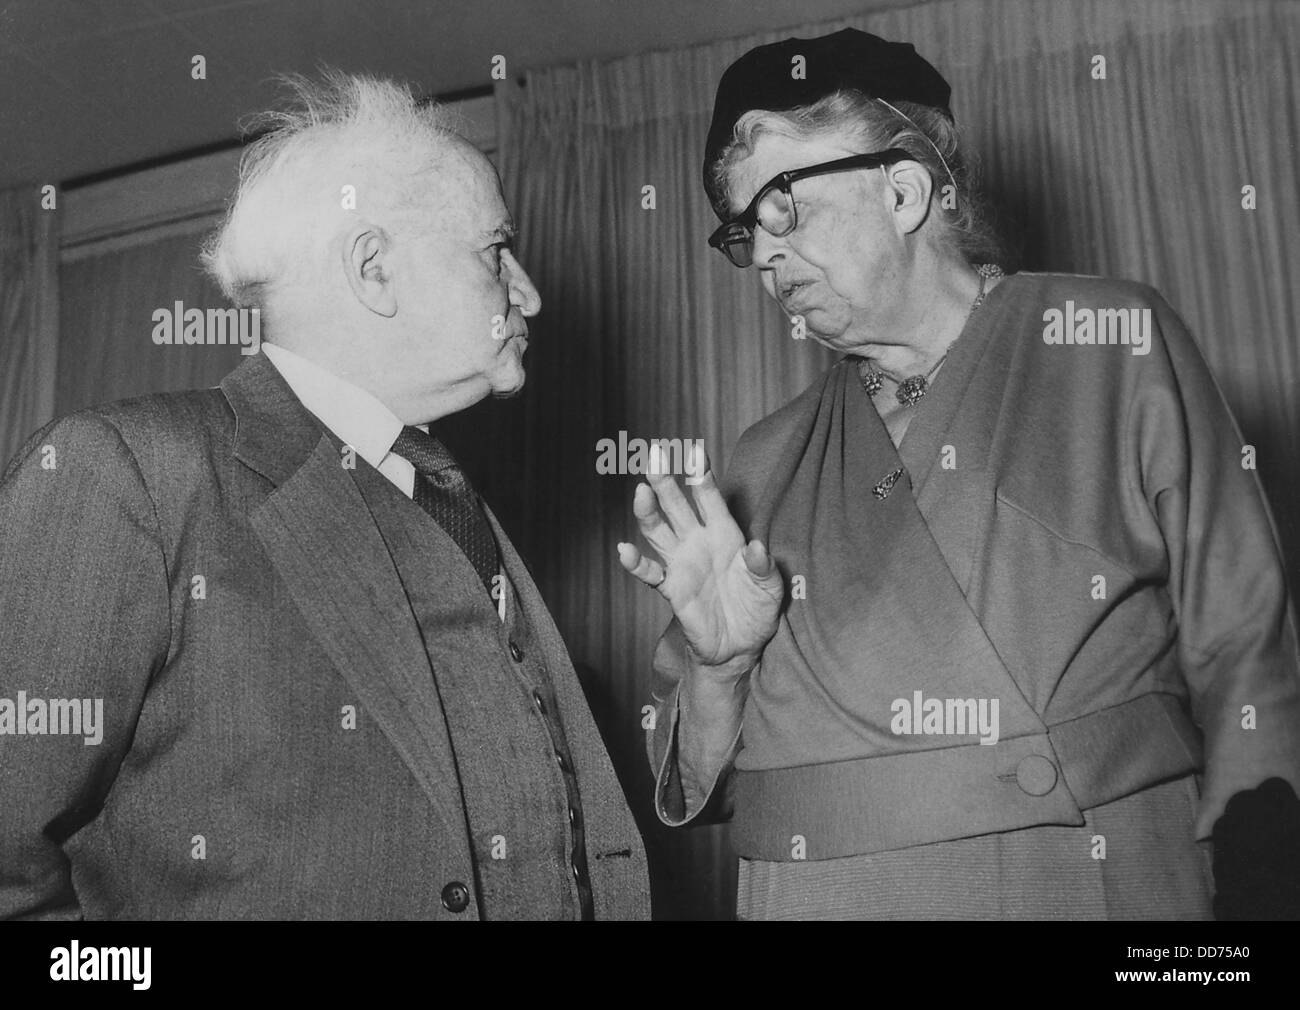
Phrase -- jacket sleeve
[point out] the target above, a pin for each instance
(678, 799)
(84, 593)
(1236, 626)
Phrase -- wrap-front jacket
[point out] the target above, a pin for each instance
(1078, 533)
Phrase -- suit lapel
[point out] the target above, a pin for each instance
(322, 540)
(531, 602)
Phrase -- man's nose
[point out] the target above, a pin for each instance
(767, 248)
(522, 292)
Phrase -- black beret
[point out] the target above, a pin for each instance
(845, 60)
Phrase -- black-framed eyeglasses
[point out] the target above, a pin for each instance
(773, 208)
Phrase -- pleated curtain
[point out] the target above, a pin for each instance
(109, 298)
(29, 314)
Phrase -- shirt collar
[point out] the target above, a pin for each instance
(353, 414)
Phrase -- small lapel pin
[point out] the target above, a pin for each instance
(881, 490)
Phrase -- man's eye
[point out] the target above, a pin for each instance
(507, 246)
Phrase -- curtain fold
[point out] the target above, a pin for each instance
(106, 336)
(29, 315)
(645, 330)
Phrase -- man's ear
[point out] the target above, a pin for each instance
(365, 254)
(907, 191)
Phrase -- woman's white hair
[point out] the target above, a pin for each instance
(345, 144)
(967, 222)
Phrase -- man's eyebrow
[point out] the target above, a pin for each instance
(504, 232)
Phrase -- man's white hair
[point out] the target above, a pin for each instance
(338, 131)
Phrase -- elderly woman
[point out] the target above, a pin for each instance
(990, 621)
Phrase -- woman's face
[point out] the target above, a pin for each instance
(840, 268)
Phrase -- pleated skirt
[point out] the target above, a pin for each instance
(1134, 858)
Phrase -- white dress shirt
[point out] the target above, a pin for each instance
(355, 416)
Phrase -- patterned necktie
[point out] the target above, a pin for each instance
(442, 490)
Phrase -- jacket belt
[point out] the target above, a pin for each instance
(894, 801)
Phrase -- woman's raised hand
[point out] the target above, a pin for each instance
(725, 593)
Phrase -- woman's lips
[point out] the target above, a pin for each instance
(790, 293)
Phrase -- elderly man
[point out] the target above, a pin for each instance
(329, 686)
(983, 605)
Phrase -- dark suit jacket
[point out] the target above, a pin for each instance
(203, 564)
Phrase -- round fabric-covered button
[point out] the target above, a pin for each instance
(1036, 775)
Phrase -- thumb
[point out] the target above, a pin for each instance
(757, 560)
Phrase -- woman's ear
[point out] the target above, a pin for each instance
(908, 185)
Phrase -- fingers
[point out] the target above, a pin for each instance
(704, 489)
(671, 500)
(757, 560)
(647, 570)
(763, 570)
(658, 534)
